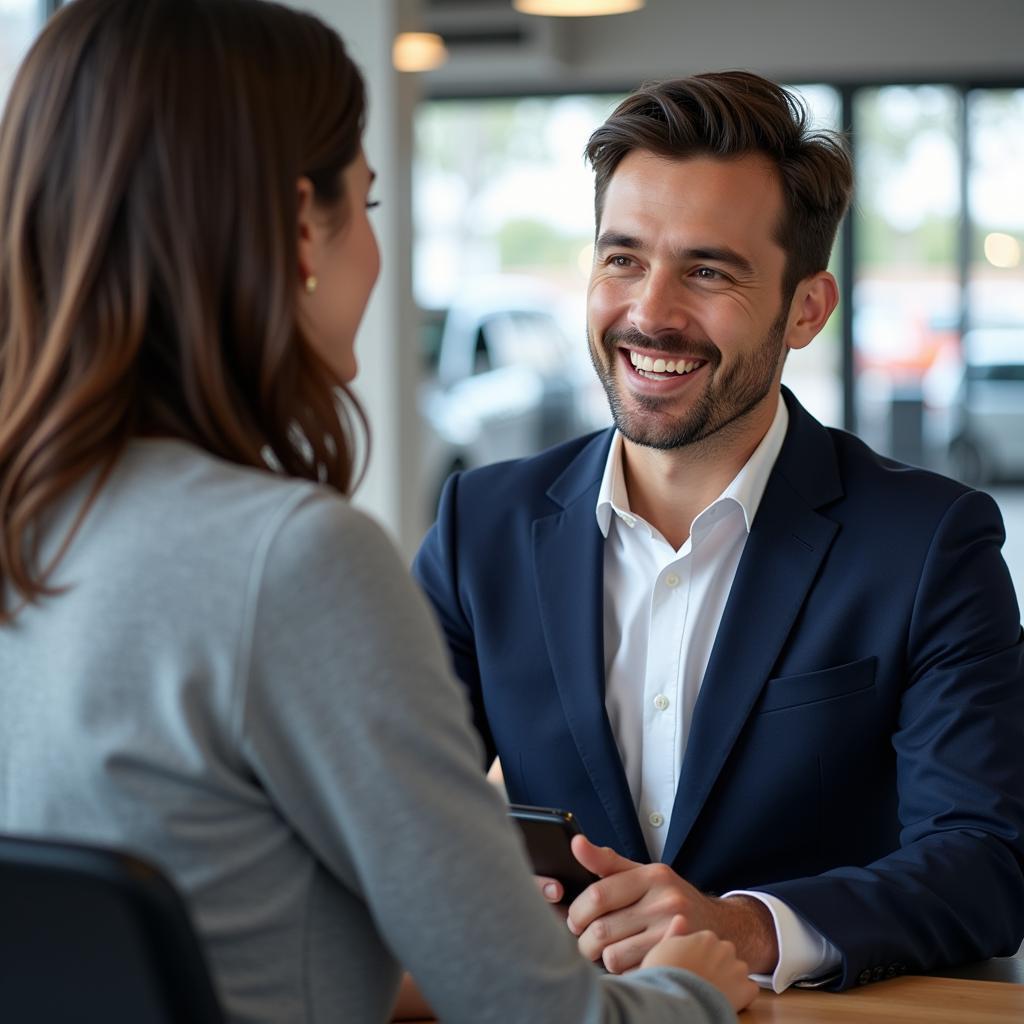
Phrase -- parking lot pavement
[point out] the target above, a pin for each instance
(1011, 503)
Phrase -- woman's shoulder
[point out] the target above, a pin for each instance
(320, 529)
(170, 496)
(182, 482)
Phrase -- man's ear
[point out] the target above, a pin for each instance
(307, 230)
(814, 300)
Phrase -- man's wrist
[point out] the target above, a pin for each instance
(749, 926)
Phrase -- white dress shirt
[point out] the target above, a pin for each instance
(662, 611)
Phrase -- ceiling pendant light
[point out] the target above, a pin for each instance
(577, 8)
(418, 51)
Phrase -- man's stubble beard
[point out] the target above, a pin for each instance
(722, 401)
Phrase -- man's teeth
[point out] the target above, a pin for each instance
(649, 365)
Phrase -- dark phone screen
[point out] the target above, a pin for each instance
(548, 832)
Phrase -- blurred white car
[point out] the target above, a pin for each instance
(974, 401)
(504, 379)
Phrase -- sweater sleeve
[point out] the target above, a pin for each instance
(353, 724)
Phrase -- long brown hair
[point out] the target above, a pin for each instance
(729, 114)
(149, 159)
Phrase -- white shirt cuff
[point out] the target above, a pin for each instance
(804, 953)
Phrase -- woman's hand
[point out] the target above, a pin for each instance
(706, 955)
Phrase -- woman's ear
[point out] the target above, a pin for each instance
(308, 231)
(814, 300)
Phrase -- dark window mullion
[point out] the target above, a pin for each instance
(966, 233)
(847, 269)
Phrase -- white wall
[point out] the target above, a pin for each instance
(386, 346)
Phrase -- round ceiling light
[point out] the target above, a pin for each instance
(418, 51)
(577, 8)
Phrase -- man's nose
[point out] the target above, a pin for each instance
(660, 305)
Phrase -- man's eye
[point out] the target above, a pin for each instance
(620, 261)
(372, 204)
(708, 274)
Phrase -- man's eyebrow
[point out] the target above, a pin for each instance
(718, 254)
(618, 240)
(712, 253)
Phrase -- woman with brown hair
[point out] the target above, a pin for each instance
(206, 654)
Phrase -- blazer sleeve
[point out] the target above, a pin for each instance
(436, 569)
(954, 889)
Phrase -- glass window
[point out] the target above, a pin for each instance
(906, 301)
(974, 393)
(503, 204)
(503, 208)
(501, 187)
(815, 373)
(995, 190)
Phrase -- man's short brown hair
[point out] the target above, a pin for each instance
(730, 114)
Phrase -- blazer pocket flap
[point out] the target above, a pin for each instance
(810, 687)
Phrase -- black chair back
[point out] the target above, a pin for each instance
(95, 935)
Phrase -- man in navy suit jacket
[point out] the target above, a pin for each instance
(733, 642)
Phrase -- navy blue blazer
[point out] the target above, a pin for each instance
(857, 747)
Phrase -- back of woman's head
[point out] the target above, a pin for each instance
(149, 159)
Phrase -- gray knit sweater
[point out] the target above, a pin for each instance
(242, 684)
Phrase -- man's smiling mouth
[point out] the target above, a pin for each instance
(662, 369)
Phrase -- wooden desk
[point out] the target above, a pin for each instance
(909, 1000)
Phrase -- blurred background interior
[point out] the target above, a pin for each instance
(474, 348)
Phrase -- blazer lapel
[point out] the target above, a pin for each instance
(780, 561)
(568, 552)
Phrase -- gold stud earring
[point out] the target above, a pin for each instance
(311, 283)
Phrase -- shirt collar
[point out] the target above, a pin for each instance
(612, 498)
(746, 488)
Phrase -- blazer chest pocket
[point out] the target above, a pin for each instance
(812, 687)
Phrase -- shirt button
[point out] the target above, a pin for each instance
(661, 702)
(656, 819)
(671, 580)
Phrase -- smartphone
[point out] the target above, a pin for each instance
(548, 832)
